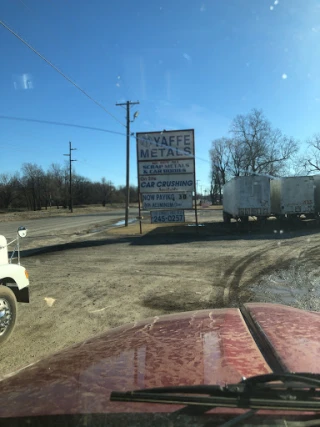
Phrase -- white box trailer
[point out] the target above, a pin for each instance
(317, 195)
(246, 196)
(293, 196)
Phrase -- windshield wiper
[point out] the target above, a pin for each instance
(288, 391)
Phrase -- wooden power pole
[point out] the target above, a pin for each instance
(70, 174)
(128, 105)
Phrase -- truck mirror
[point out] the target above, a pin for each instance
(22, 231)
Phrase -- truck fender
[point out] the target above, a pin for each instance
(14, 273)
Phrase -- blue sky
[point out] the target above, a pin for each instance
(191, 64)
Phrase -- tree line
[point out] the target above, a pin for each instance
(33, 188)
(254, 146)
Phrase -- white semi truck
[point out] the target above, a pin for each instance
(14, 285)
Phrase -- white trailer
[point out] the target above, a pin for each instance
(246, 196)
(293, 196)
(317, 195)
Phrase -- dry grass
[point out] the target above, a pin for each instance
(53, 212)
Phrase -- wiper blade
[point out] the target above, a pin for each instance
(305, 378)
(292, 391)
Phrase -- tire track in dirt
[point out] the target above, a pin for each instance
(236, 271)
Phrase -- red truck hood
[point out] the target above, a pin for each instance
(205, 347)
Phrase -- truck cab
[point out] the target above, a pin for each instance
(14, 285)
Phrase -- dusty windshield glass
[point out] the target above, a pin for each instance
(158, 158)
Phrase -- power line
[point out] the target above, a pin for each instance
(48, 122)
(74, 84)
(130, 89)
(59, 71)
(25, 5)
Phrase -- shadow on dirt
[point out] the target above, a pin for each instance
(180, 301)
(251, 230)
(273, 230)
(73, 245)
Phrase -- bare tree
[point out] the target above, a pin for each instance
(296, 166)
(37, 189)
(82, 188)
(9, 185)
(237, 159)
(106, 190)
(220, 164)
(312, 158)
(57, 184)
(32, 182)
(262, 148)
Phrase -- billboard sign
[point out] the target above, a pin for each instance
(164, 167)
(152, 201)
(166, 145)
(167, 183)
(166, 173)
(158, 217)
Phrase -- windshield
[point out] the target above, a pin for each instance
(162, 159)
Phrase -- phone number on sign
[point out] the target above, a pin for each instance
(168, 218)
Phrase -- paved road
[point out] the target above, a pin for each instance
(43, 226)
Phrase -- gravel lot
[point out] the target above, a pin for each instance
(113, 278)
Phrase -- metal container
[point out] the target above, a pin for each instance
(316, 179)
(246, 196)
(293, 195)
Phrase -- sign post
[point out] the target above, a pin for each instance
(166, 174)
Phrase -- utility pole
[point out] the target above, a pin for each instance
(128, 105)
(70, 174)
(197, 187)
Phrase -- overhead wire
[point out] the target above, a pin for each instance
(60, 72)
(78, 87)
(75, 85)
(130, 89)
(26, 6)
(48, 122)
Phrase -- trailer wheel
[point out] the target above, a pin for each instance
(226, 218)
(8, 313)
(262, 220)
(310, 216)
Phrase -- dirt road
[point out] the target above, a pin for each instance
(110, 280)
